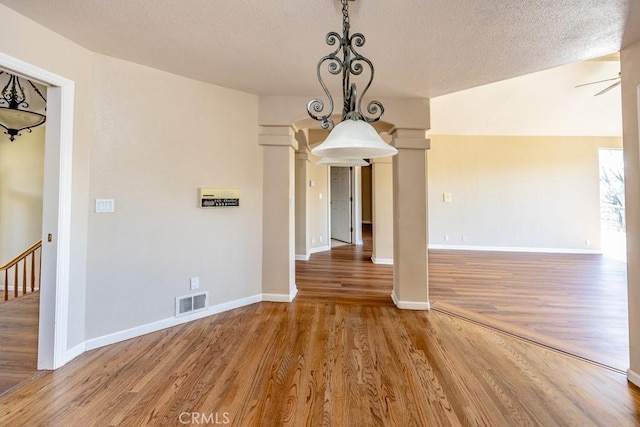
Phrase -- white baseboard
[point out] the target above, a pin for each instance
(382, 261)
(633, 377)
(367, 222)
(319, 249)
(409, 305)
(163, 324)
(280, 297)
(74, 352)
(516, 249)
(359, 242)
(305, 257)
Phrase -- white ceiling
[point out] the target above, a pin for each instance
(420, 48)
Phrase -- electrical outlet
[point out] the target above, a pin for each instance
(464, 238)
(321, 239)
(587, 242)
(446, 238)
(194, 282)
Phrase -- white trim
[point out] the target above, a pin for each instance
(409, 305)
(280, 297)
(633, 377)
(64, 224)
(75, 352)
(303, 257)
(359, 242)
(516, 249)
(319, 249)
(367, 222)
(382, 261)
(54, 312)
(167, 323)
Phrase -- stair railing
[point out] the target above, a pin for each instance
(22, 274)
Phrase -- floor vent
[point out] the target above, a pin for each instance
(191, 303)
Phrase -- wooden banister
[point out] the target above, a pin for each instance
(30, 272)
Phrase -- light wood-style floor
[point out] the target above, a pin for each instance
(340, 354)
(575, 303)
(18, 340)
(312, 363)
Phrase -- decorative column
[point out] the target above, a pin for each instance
(410, 230)
(630, 67)
(278, 234)
(382, 210)
(302, 211)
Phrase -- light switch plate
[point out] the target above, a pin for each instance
(194, 282)
(105, 205)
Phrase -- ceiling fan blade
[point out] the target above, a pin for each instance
(609, 88)
(599, 81)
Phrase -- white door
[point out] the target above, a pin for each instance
(341, 204)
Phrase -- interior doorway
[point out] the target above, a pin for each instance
(21, 205)
(612, 203)
(341, 204)
(56, 212)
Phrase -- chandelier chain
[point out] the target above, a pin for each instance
(352, 63)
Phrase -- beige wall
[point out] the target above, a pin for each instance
(156, 139)
(382, 186)
(52, 52)
(543, 103)
(318, 205)
(21, 180)
(366, 194)
(630, 59)
(302, 201)
(522, 192)
(318, 196)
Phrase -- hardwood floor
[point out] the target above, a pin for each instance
(311, 363)
(18, 340)
(344, 274)
(574, 303)
(341, 354)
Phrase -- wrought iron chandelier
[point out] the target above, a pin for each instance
(354, 137)
(15, 115)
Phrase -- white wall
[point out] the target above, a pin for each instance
(21, 180)
(156, 139)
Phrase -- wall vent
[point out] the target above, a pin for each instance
(191, 303)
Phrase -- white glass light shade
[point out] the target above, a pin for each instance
(19, 119)
(328, 161)
(354, 139)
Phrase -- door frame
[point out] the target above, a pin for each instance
(56, 212)
(351, 205)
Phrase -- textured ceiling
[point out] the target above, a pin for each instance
(420, 48)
